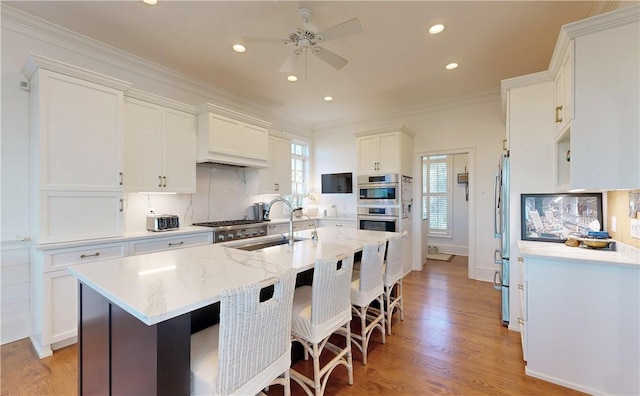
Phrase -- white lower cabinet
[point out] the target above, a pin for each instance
(351, 224)
(283, 228)
(169, 243)
(581, 322)
(522, 318)
(54, 292)
(62, 289)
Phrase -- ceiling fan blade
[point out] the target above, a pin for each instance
(344, 29)
(331, 58)
(261, 40)
(290, 62)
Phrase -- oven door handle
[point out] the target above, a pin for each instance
(378, 185)
(378, 218)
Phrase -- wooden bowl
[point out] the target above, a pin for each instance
(595, 243)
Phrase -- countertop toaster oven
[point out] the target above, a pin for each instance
(162, 222)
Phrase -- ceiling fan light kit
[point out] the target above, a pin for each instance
(307, 38)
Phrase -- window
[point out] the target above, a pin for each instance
(436, 197)
(299, 169)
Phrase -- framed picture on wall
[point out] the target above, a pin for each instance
(552, 217)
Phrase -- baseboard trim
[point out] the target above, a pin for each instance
(558, 381)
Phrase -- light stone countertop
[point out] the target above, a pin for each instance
(623, 255)
(159, 286)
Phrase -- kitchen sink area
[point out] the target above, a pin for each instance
(263, 243)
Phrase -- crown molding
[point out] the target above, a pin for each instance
(522, 81)
(594, 24)
(387, 129)
(454, 102)
(212, 108)
(159, 100)
(35, 62)
(47, 32)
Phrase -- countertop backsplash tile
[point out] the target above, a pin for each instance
(220, 195)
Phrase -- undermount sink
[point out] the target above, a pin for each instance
(251, 245)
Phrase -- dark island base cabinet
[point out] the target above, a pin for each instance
(120, 355)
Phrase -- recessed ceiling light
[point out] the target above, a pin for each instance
(451, 66)
(239, 48)
(150, 2)
(292, 78)
(435, 29)
(328, 98)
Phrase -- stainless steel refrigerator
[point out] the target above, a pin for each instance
(501, 231)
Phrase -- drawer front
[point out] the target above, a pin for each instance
(169, 243)
(303, 225)
(62, 258)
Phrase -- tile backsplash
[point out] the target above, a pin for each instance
(220, 195)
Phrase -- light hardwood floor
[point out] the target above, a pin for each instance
(450, 342)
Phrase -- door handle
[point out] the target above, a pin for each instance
(497, 280)
(558, 110)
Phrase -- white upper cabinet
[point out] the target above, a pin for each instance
(76, 119)
(385, 150)
(600, 146)
(78, 128)
(160, 146)
(228, 137)
(564, 92)
(276, 177)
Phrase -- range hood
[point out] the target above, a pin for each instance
(229, 138)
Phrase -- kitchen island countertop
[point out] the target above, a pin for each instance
(159, 286)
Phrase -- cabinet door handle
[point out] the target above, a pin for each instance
(558, 110)
(176, 243)
(121, 178)
(520, 321)
(159, 181)
(121, 205)
(520, 286)
(277, 186)
(165, 181)
(96, 254)
(338, 225)
(520, 260)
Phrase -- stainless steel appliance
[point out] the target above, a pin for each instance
(163, 222)
(230, 230)
(501, 230)
(378, 189)
(259, 209)
(379, 219)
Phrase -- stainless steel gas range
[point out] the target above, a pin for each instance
(231, 230)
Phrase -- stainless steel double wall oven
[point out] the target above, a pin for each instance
(383, 200)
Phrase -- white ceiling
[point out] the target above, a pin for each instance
(395, 64)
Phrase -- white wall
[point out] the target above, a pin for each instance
(477, 125)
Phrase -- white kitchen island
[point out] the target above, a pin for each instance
(135, 312)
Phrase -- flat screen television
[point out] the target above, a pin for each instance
(337, 183)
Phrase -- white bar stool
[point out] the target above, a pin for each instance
(393, 274)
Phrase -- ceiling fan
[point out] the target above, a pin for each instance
(307, 39)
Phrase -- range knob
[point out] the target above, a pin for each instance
(239, 234)
(229, 236)
(221, 237)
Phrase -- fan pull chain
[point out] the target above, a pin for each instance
(306, 66)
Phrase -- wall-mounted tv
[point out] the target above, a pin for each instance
(337, 183)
